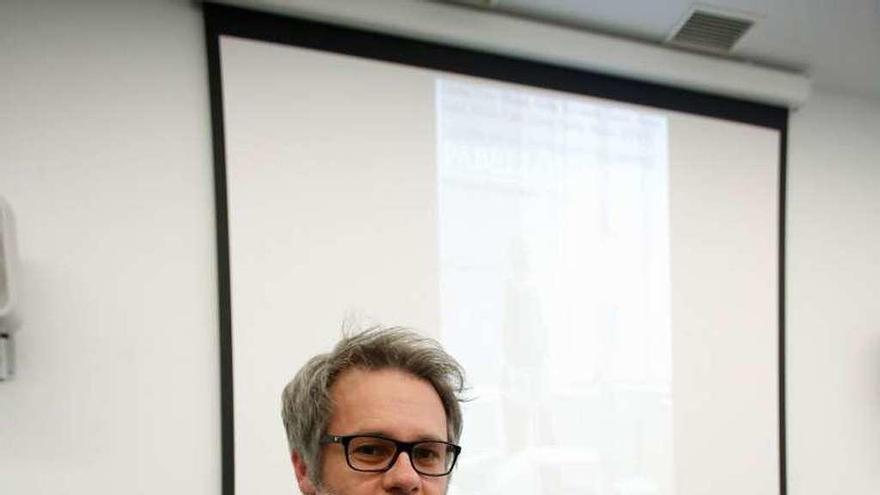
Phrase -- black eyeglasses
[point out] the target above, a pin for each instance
(376, 454)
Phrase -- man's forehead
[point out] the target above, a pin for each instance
(390, 402)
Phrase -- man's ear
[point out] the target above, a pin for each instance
(302, 474)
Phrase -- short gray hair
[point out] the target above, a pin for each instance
(306, 406)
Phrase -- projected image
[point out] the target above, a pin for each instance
(554, 271)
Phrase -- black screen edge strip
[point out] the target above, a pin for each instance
(234, 21)
(781, 384)
(215, 88)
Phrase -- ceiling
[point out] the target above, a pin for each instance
(834, 42)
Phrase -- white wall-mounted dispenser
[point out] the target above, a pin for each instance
(10, 320)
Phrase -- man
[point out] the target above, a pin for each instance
(379, 414)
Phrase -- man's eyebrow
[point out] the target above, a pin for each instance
(373, 433)
(385, 434)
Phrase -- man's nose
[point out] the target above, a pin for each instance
(402, 477)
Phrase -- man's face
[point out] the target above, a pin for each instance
(390, 403)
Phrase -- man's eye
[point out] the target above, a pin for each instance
(425, 454)
(371, 450)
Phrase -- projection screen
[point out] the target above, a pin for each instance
(607, 271)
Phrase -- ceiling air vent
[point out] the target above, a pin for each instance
(711, 29)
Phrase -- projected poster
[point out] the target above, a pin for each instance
(606, 272)
(553, 231)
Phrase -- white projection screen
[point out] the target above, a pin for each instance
(606, 270)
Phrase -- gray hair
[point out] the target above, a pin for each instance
(306, 406)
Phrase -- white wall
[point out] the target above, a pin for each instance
(833, 286)
(105, 156)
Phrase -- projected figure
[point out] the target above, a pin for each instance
(525, 344)
(377, 414)
(525, 368)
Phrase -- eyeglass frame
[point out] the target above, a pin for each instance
(399, 446)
